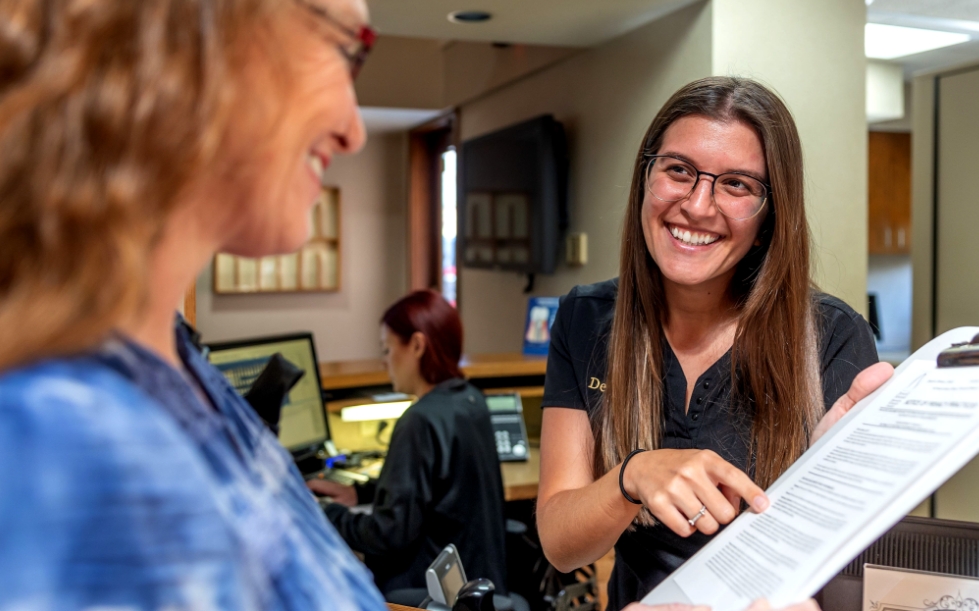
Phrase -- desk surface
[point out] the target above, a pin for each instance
(371, 372)
(520, 479)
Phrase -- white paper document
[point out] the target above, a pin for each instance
(880, 461)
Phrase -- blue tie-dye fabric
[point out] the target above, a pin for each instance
(120, 488)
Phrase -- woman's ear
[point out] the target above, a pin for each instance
(418, 344)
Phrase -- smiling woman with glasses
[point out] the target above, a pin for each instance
(678, 391)
(138, 138)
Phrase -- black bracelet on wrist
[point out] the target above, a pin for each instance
(622, 474)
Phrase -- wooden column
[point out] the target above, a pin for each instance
(427, 143)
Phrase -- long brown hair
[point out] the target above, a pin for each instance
(108, 109)
(774, 364)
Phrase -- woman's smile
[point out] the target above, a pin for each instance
(692, 237)
(317, 163)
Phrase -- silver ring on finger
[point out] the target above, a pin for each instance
(693, 521)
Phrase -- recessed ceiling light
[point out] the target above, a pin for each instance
(892, 41)
(469, 16)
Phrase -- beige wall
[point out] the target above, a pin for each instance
(812, 54)
(345, 324)
(435, 74)
(952, 152)
(606, 98)
(473, 68)
(958, 255)
(957, 150)
(403, 73)
(922, 207)
(957, 251)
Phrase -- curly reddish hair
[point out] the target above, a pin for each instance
(426, 312)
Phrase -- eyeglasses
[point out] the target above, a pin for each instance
(737, 196)
(362, 40)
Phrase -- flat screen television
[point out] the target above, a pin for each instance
(513, 191)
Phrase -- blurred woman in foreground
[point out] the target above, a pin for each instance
(136, 140)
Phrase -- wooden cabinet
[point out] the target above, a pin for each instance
(889, 193)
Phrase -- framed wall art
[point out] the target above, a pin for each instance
(313, 268)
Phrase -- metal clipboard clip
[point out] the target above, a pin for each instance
(965, 354)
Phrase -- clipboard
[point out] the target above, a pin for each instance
(962, 354)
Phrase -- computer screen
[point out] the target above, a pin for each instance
(303, 421)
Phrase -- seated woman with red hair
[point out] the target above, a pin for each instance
(441, 479)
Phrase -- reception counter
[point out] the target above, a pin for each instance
(347, 383)
(520, 479)
(480, 368)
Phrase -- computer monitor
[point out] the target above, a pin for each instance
(302, 425)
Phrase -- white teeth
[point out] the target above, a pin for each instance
(694, 238)
(315, 164)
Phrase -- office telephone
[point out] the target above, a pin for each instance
(506, 415)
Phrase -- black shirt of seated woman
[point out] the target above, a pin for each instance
(440, 484)
(441, 480)
(576, 378)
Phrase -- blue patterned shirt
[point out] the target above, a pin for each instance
(120, 487)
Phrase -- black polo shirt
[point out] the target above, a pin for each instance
(576, 365)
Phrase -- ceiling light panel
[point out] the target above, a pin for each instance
(892, 41)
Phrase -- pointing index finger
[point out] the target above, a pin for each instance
(732, 479)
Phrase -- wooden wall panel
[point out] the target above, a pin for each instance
(420, 239)
(889, 193)
(427, 143)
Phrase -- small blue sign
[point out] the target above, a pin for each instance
(537, 331)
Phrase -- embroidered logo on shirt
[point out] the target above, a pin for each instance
(596, 384)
